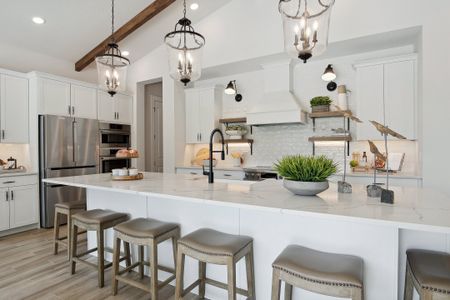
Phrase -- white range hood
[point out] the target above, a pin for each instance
(278, 104)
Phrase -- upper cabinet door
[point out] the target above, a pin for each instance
(4, 209)
(106, 107)
(400, 97)
(370, 103)
(124, 108)
(192, 117)
(23, 203)
(14, 109)
(207, 113)
(84, 102)
(55, 97)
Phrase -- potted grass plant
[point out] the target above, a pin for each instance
(306, 175)
(320, 104)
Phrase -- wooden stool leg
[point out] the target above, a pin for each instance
(231, 271)
(202, 277)
(250, 270)
(69, 233)
(174, 248)
(141, 261)
(287, 291)
(179, 286)
(74, 242)
(409, 288)
(100, 257)
(116, 258)
(154, 269)
(276, 284)
(126, 248)
(56, 232)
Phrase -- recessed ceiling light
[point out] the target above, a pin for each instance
(125, 53)
(38, 20)
(194, 6)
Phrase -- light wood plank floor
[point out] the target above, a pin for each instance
(29, 270)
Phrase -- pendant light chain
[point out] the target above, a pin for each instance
(184, 8)
(112, 21)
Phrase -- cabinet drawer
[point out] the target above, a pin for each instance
(190, 171)
(18, 180)
(234, 175)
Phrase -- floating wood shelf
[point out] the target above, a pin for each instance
(329, 114)
(233, 120)
(338, 138)
(240, 141)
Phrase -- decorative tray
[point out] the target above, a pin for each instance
(138, 176)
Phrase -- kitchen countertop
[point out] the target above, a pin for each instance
(414, 208)
(13, 174)
(215, 168)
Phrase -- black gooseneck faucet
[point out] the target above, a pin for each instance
(211, 151)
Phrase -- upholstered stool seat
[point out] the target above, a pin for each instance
(65, 209)
(329, 274)
(211, 246)
(144, 232)
(429, 272)
(96, 220)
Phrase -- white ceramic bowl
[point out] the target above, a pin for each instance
(132, 172)
(123, 172)
(116, 172)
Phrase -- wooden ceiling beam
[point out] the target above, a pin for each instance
(137, 21)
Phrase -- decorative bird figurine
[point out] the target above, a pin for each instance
(387, 131)
(348, 114)
(376, 152)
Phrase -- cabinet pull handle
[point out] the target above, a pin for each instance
(12, 195)
(227, 175)
(3, 134)
(7, 196)
(118, 116)
(73, 110)
(193, 173)
(200, 136)
(68, 107)
(8, 182)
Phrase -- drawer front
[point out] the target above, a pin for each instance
(189, 171)
(234, 175)
(18, 180)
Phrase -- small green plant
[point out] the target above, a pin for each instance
(320, 100)
(353, 163)
(306, 168)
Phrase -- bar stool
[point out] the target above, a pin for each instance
(144, 232)
(96, 220)
(67, 209)
(211, 246)
(428, 272)
(328, 274)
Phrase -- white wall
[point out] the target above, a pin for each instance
(252, 28)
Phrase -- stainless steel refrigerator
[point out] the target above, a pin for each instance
(67, 147)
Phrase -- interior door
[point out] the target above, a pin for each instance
(106, 107)
(14, 109)
(23, 205)
(157, 134)
(86, 142)
(4, 209)
(84, 101)
(58, 141)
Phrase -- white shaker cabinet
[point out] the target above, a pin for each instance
(83, 101)
(54, 97)
(14, 109)
(203, 110)
(386, 93)
(19, 200)
(116, 109)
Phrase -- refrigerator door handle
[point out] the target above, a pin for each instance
(73, 141)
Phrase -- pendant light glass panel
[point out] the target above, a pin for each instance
(112, 70)
(305, 26)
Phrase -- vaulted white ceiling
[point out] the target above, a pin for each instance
(74, 27)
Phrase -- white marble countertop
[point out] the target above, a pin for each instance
(215, 168)
(414, 208)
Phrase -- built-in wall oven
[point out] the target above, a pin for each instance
(113, 137)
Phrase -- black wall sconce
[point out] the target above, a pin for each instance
(329, 76)
(231, 89)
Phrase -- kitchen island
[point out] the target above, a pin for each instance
(341, 223)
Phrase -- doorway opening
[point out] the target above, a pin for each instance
(153, 127)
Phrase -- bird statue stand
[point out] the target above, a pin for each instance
(374, 189)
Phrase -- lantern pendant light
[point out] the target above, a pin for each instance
(184, 47)
(112, 66)
(305, 26)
